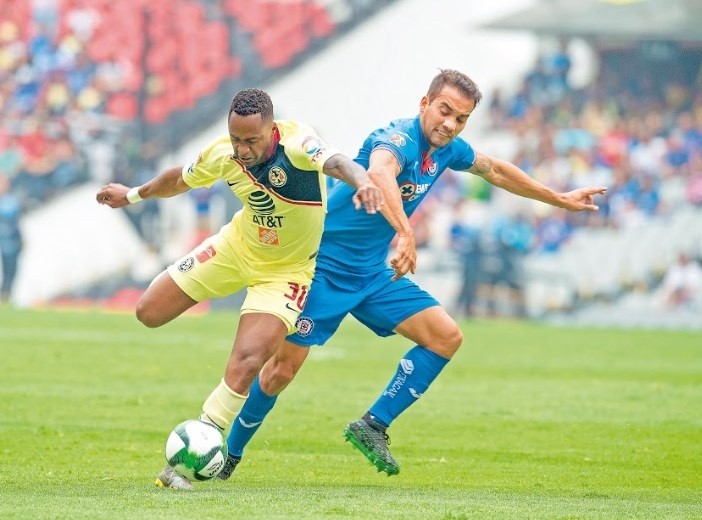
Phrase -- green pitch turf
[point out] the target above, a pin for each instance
(527, 422)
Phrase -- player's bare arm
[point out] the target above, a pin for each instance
(167, 184)
(383, 171)
(507, 176)
(367, 194)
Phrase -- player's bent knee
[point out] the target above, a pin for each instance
(275, 377)
(455, 338)
(449, 343)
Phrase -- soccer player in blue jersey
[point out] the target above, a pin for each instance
(276, 168)
(404, 159)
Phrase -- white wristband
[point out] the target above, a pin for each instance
(133, 195)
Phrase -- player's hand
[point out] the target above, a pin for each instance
(405, 259)
(582, 199)
(113, 195)
(370, 197)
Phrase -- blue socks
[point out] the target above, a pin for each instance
(416, 371)
(249, 420)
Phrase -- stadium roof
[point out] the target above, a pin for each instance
(679, 20)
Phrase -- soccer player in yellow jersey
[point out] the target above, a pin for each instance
(269, 247)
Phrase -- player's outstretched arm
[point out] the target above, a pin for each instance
(507, 176)
(367, 195)
(167, 184)
(383, 171)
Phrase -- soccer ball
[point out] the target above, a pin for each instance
(196, 450)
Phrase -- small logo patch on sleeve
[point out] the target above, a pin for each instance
(397, 140)
(311, 145)
(186, 265)
(207, 253)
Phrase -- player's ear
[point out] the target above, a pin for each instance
(423, 104)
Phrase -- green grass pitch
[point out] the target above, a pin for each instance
(527, 421)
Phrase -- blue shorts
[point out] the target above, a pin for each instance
(372, 298)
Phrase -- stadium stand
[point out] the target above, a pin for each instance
(95, 90)
(638, 133)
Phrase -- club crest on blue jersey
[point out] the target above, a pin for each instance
(277, 177)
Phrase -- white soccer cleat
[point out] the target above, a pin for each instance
(170, 479)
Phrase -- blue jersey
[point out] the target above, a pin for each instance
(357, 240)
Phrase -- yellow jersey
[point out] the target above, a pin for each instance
(284, 199)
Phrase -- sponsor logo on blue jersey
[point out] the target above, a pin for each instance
(410, 191)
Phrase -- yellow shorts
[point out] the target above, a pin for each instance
(216, 269)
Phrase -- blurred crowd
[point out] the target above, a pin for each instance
(638, 132)
(637, 129)
(98, 90)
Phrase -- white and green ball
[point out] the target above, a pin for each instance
(196, 450)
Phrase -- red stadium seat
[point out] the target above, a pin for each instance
(321, 23)
(235, 67)
(122, 105)
(156, 110)
(162, 57)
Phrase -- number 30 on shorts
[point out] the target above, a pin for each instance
(298, 294)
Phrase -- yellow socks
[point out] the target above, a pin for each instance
(222, 406)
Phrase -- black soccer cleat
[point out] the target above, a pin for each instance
(229, 466)
(373, 443)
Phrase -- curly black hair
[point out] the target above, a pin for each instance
(251, 101)
(454, 78)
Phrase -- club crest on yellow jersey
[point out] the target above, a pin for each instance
(277, 176)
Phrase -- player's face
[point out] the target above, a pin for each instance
(251, 138)
(445, 116)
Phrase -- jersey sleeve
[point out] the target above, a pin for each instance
(393, 140)
(207, 168)
(305, 149)
(463, 155)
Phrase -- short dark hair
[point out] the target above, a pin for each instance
(458, 80)
(250, 101)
